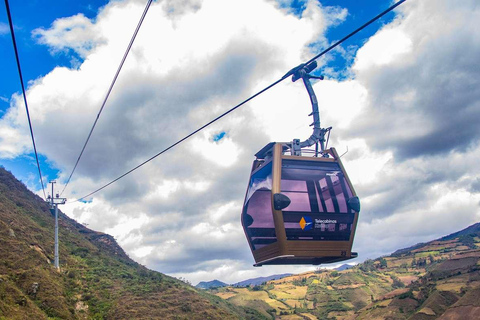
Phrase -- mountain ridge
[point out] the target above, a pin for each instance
(260, 280)
(97, 279)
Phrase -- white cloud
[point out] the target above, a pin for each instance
(14, 134)
(4, 29)
(421, 86)
(385, 48)
(77, 33)
(446, 210)
(221, 153)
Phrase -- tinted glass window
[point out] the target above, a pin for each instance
(257, 216)
(319, 193)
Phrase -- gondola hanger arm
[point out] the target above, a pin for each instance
(303, 72)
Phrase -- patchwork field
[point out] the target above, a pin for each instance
(439, 277)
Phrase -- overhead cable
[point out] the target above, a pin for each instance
(356, 31)
(24, 95)
(109, 90)
(245, 101)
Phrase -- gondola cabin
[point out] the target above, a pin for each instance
(299, 209)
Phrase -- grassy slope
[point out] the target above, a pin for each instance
(435, 280)
(97, 279)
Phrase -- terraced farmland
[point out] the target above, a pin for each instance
(439, 279)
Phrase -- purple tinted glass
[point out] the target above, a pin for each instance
(260, 209)
(328, 202)
(299, 201)
(257, 214)
(293, 185)
(318, 192)
(342, 203)
(320, 182)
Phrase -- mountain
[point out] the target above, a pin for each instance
(474, 229)
(97, 279)
(249, 282)
(344, 266)
(439, 279)
(260, 280)
(211, 284)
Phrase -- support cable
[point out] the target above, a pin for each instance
(291, 72)
(24, 94)
(109, 90)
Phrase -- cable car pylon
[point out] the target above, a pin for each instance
(300, 206)
(54, 202)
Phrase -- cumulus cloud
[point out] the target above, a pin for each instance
(407, 118)
(420, 113)
(4, 29)
(76, 33)
(14, 133)
(424, 83)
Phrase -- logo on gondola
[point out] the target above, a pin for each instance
(306, 223)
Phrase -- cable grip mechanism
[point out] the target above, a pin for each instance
(318, 136)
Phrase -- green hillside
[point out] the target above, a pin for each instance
(435, 280)
(97, 279)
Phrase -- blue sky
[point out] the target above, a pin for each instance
(402, 96)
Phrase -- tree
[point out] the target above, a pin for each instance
(396, 282)
(414, 263)
(383, 263)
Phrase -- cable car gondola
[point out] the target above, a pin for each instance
(300, 209)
